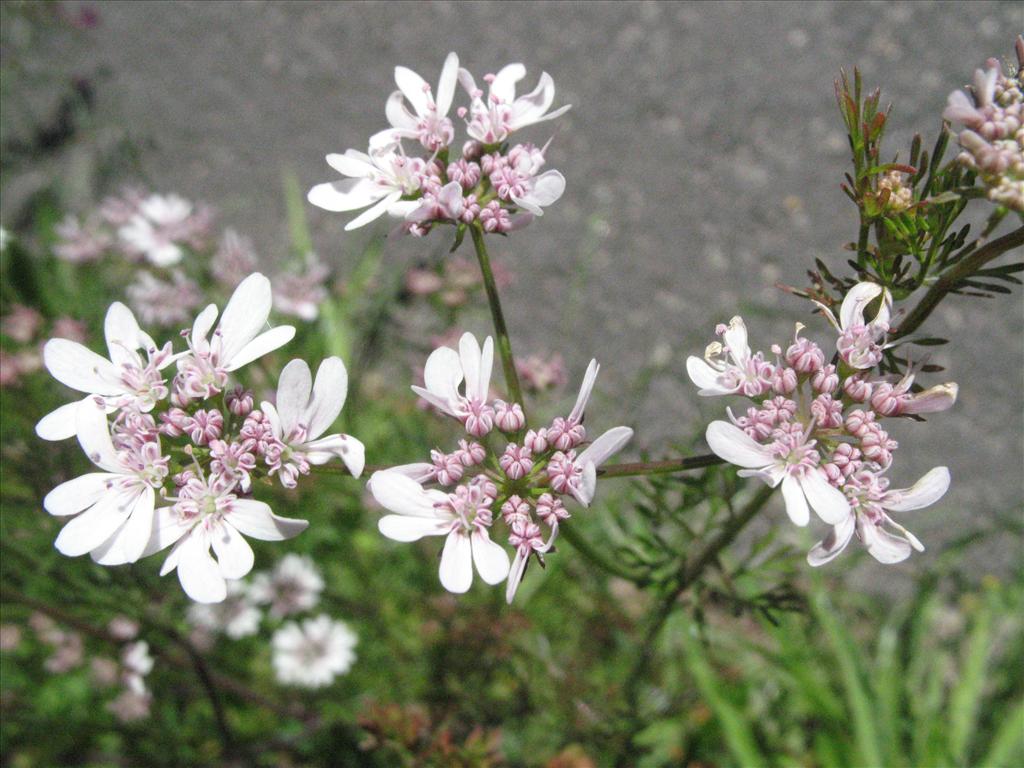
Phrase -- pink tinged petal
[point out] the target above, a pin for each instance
(543, 191)
(254, 518)
(414, 88)
(504, 84)
(401, 494)
(199, 573)
(882, 545)
(293, 390)
(446, 84)
(246, 313)
(933, 400)
(924, 492)
(388, 140)
(234, 555)
(467, 82)
(441, 403)
(71, 497)
(705, 377)
(470, 358)
(584, 493)
(61, 423)
(329, 392)
(347, 448)
(985, 84)
(515, 576)
(421, 471)
(375, 212)
(914, 541)
(828, 501)
(796, 504)
(828, 549)
(94, 437)
(490, 558)
(406, 528)
(532, 106)
(735, 338)
(586, 388)
(80, 368)
(122, 334)
(398, 116)
(851, 312)
(264, 343)
(353, 164)
(731, 443)
(273, 417)
(345, 195)
(94, 526)
(605, 446)
(456, 569)
(129, 541)
(961, 109)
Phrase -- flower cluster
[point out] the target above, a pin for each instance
(490, 183)
(815, 427)
(993, 136)
(453, 282)
(523, 482)
(178, 455)
(23, 328)
(171, 241)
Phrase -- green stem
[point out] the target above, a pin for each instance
(951, 277)
(508, 362)
(589, 551)
(639, 468)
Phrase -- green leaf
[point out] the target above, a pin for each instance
(1008, 744)
(966, 696)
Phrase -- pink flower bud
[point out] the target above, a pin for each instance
(784, 381)
(239, 401)
(825, 380)
(508, 417)
(470, 454)
(550, 509)
(857, 388)
(448, 469)
(536, 440)
(516, 462)
(513, 509)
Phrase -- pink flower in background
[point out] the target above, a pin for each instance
(80, 242)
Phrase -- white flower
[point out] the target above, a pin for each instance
(236, 617)
(859, 343)
(293, 586)
(445, 371)
(430, 124)
(870, 503)
(114, 508)
(491, 121)
(313, 653)
(153, 230)
(126, 379)
(238, 340)
(379, 180)
(592, 457)
(730, 368)
(208, 514)
(463, 517)
(136, 663)
(304, 411)
(790, 460)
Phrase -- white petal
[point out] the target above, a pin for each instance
(851, 312)
(94, 437)
(234, 555)
(441, 403)
(255, 519)
(585, 493)
(504, 84)
(203, 324)
(924, 492)
(246, 313)
(456, 570)
(490, 558)
(828, 501)
(122, 334)
(345, 195)
(933, 400)
(882, 545)
(71, 497)
(129, 541)
(542, 192)
(401, 494)
(442, 374)
(266, 342)
(346, 447)
(829, 548)
(374, 212)
(59, 424)
(406, 528)
(168, 528)
(94, 526)
(530, 107)
(293, 390)
(576, 415)
(198, 572)
(605, 446)
(414, 88)
(80, 368)
(470, 358)
(446, 84)
(705, 377)
(796, 504)
(354, 164)
(515, 576)
(398, 116)
(329, 391)
(731, 443)
(419, 471)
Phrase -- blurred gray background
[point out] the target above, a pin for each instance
(703, 155)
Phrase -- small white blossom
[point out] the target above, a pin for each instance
(313, 653)
(293, 586)
(236, 617)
